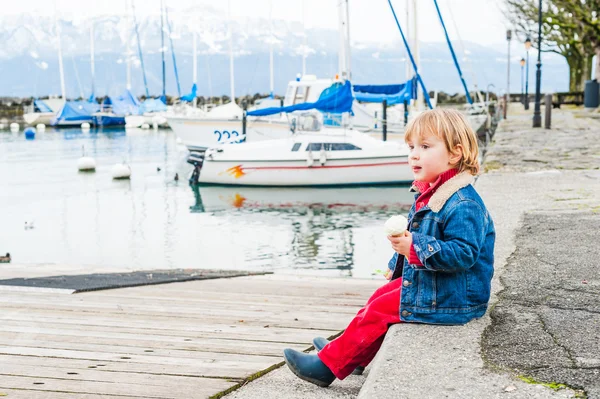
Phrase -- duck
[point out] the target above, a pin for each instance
(176, 176)
(5, 259)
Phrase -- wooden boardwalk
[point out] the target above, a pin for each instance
(183, 340)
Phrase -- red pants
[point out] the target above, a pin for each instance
(359, 344)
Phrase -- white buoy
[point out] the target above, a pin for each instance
(2, 126)
(85, 126)
(14, 127)
(145, 126)
(86, 164)
(40, 127)
(121, 171)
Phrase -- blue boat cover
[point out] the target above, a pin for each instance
(190, 97)
(336, 99)
(152, 105)
(125, 104)
(41, 106)
(376, 94)
(74, 111)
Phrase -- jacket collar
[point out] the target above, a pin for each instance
(446, 190)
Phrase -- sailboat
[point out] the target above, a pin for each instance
(42, 111)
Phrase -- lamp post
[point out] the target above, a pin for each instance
(522, 63)
(507, 94)
(537, 115)
(527, 47)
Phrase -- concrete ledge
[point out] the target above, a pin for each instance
(418, 360)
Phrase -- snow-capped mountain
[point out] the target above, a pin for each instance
(29, 61)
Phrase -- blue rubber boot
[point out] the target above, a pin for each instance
(320, 342)
(308, 367)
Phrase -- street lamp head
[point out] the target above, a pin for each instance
(522, 62)
(527, 44)
(508, 35)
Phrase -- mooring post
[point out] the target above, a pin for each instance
(548, 112)
(384, 121)
(405, 112)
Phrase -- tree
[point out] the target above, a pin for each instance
(586, 14)
(562, 33)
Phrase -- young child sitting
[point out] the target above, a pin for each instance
(442, 265)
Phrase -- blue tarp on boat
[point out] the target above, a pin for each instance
(75, 111)
(190, 97)
(394, 94)
(336, 99)
(125, 104)
(152, 105)
(41, 106)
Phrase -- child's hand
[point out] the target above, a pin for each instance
(402, 244)
(388, 274)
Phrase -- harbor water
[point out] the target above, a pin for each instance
(51, 214)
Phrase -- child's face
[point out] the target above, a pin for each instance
(428, 158)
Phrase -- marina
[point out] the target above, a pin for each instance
(189, 188)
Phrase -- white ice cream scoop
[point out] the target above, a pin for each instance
(395, 226)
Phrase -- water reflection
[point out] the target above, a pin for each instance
(322, 220)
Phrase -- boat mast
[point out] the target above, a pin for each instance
(344, 31)
(460, 74)
(172, 52)
(162, 51)
(137, 34)
(92, 59)
(128, 46)
(195, 68)
(230, 51)
(408, 27)
(60, 58)
(271, 81)
(304, 48)
(417, 52)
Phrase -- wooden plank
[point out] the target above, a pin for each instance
(200, 358)
(137, 344)
(219, 369)
(306, 320)
(184, 306)
(202, 388)
(101, 375)
(33, 394)
(247, 333)
(215, 310)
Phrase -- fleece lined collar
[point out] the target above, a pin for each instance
(445, 191)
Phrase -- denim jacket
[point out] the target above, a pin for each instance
(453, 237)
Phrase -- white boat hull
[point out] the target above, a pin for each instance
(35, 118)
(342, 172)
(138, 120)
(199, 134)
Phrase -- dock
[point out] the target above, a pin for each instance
(199, 339)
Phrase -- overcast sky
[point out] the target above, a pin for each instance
(479, 21)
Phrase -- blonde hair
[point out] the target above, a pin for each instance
(451, 127)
